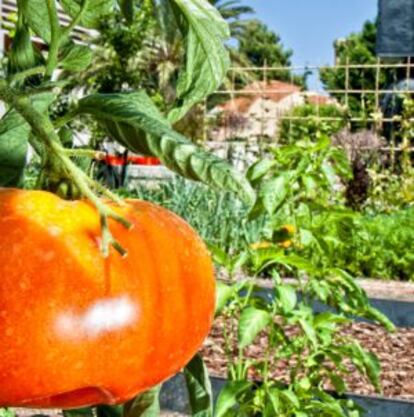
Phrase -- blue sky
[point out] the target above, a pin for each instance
(309, 27)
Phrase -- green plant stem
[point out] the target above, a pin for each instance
(52, 58)
(44, 130)
(21, 76)
(66, 118)
(88, 153)
(68, 29)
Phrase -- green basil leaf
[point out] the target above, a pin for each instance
(135, 122)
(145, 404)
(92, 14)
(207, 59)
(199, 388)
(252, 321)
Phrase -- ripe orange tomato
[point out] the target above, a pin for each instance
(77, 329)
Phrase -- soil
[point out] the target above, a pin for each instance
(394, 350)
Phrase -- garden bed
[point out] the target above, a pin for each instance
(395, 352)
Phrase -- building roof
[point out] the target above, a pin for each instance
(274, 91)
(246, 97)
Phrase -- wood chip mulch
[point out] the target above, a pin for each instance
(394, 350)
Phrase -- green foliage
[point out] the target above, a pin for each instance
(90, 12)
(35, 11)
(199, 388)
(206, 58)
(306, 122)
(263, 47)
(303, 173)
(6, 412)
(233, 12)
(135, 122)
(380, 246)
(318, 348)
(359, 48)
(14, 137)
(75, 57)
(144, 405)
(217, 216)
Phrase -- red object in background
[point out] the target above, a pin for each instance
(115, 160)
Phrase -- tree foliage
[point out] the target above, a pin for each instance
(359, 48)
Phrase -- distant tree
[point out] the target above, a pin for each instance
(234, 11)
(261, 46)
(359, 48)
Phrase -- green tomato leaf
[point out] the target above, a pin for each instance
(144, 405)
(135, 122)
(14, 135)
(92, 14)
(22, 54)
(199, 388)
(109, 411)
(252, 321)
(229, 395)
(35, 11)
(207, 59)
(79, 412)
(127, 9)
(76, 57)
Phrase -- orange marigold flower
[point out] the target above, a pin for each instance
(289, 228)
(286, 244)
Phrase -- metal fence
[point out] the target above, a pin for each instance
(247, 116)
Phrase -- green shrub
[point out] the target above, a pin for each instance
(313, 120)
(382, 247)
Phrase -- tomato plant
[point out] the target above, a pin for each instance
(73, 270)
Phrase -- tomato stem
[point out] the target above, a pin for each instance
(108, 240)
(47, 144)
(52, 57)
(88, 153)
